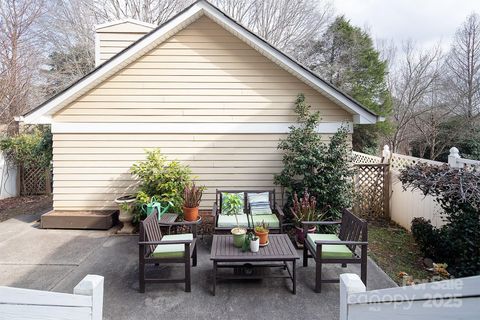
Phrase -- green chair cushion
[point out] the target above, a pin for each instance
(172, 250)
(271, 219)
(329, 251)
(225, 221)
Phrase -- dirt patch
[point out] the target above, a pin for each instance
(12, 207)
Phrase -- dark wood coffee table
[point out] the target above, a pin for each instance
(277, 253)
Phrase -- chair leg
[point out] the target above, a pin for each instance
(194, 258)
(305, 255)
(318, 277)
(188, 281)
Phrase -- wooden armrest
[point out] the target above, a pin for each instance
(279, 210)
(166, 242)
(336, 242)
(306, 223)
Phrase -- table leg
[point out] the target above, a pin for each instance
(294, 278)
(214, 276)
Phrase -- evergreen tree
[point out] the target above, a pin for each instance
(345, 57)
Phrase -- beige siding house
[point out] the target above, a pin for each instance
(201, 87)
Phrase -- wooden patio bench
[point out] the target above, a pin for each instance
(333, 249)
(224, 223)
(157, 249)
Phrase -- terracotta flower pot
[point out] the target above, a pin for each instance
(300, 236)
(263, 236)
(190, 214)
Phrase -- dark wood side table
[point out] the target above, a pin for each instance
(277, 253)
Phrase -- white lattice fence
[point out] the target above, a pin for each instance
(363, 158)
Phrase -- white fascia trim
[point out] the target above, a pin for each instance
(97, 50)
(288, 64)
(116, 63)
(130, 20)
(197, 128)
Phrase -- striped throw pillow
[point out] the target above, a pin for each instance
(259, 203)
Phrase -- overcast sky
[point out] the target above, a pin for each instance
(425, 21)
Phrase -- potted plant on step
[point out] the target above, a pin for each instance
(125, 205)
(304, 209)
(231, 204)
(192, 195)
(261, 231)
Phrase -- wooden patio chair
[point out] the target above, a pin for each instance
(159, 250)
(224, 223)
(333, 249)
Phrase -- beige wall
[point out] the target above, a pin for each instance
(202, 74)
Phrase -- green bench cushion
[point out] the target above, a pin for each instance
(329, 251)
(271, 219)
(172, 250)
(225, 221)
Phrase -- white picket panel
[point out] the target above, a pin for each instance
(25, 304)
(449, 299)
(8, 179)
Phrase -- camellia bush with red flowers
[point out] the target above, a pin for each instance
(458, 192)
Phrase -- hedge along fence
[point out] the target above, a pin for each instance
(400, 205)
(31, 153)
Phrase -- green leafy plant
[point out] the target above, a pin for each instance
(457, 243)
(305, 209)
(166, 180)
(262, 227)
(231, 204)
(321, 167)
(192, 195)
(249, 238)
(32, 148)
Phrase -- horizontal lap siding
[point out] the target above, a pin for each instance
(90, 170)
(202, 74)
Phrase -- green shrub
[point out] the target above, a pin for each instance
(310, 164)
(163, 179)
(457, 243)
(32, 148)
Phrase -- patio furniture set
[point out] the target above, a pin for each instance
(159, 250)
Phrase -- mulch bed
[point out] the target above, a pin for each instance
(12, 207)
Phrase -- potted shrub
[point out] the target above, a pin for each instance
(125, 205)
(304, 209)
(254, 242)
(261, 231)
(191, 201)
(231, 204)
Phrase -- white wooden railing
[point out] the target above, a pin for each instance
(86, 302)
(449, 299)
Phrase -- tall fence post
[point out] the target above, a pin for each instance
(349, 283)
(92, 285)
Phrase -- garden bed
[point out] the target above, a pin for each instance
(12, 207)
(394, 249)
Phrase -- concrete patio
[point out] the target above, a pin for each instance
(57, 260)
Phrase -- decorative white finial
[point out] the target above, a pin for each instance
(453, 157)
(386, 153)
(454, 152)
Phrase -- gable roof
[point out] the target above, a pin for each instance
(42, 114)
(110, 24)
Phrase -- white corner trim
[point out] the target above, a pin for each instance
(97, 50)
(98, 127)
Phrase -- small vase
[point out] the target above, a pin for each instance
(255, 245)
(238, 236)
(190, 214)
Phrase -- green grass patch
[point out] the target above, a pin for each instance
(394, 250)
